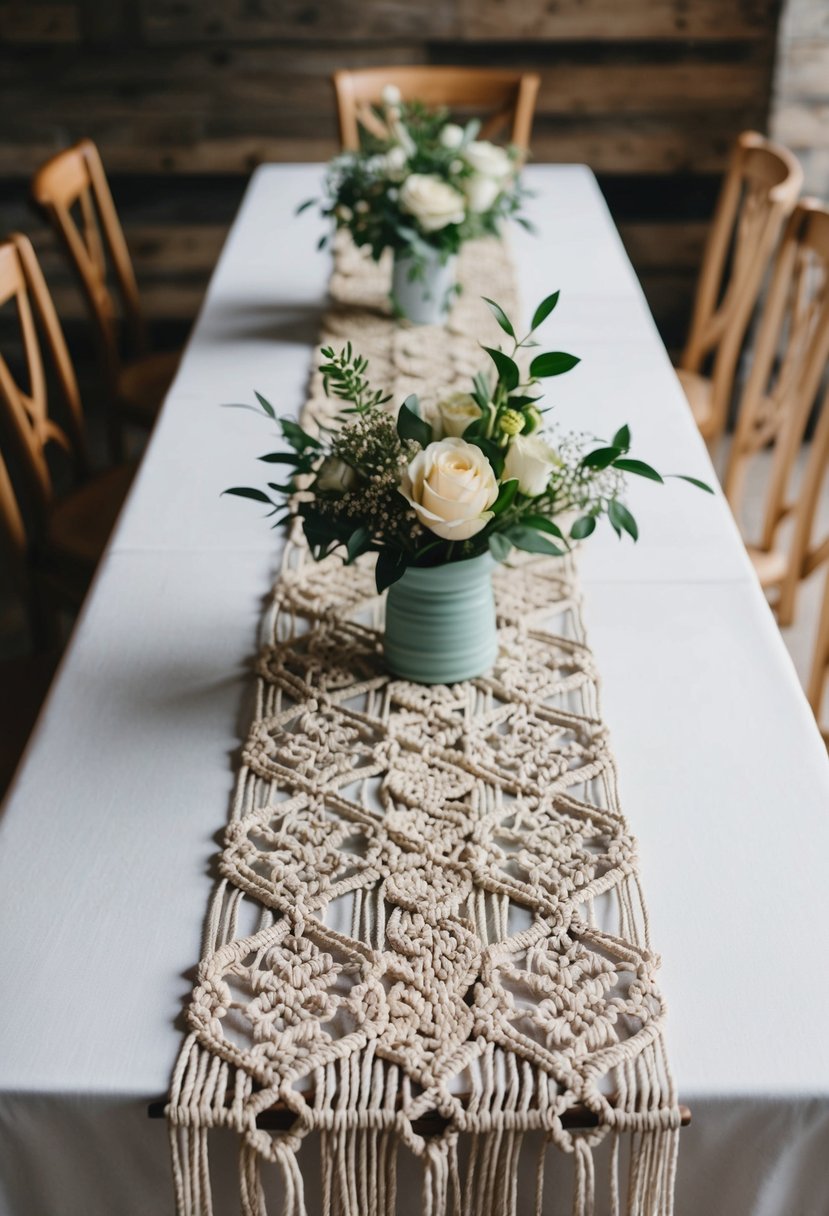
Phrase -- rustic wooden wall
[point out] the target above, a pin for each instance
(184, 97)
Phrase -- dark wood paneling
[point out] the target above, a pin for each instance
(185, 97)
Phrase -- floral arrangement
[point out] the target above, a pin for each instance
(477, 472)
(424, 184)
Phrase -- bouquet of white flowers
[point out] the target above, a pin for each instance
(477, 473)
(421, 189)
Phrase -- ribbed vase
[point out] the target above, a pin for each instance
(421, 287)
(440, 622)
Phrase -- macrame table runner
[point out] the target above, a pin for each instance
(429, 935)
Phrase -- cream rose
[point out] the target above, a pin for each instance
(455, 413)
(335, 476)
(451, 486)
(488, 159)
(531, 460)
(481, 192)
(432, 202)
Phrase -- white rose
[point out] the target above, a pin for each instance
(335, 476)
(531, 459)
(488, 159)
(432, 202)
(451, 486)
(395, 163)
(391, 95)
(481, 192)
(452, 135)
(456, 412)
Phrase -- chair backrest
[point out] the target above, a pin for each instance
(14, 541)
(73, 192)
(820, 661)
(509, 97)
(790, 356)
(24, 412)
(758, 192)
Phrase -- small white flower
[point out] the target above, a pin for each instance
(432, 202)
(335, 476)
(531, 460)
(344, 213)
(451, 486)
(361, 206)
(396, 163)
(391, 95)
(452, 135)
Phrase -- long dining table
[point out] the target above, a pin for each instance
(107, 836)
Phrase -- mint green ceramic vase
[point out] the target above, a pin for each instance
(440, 622)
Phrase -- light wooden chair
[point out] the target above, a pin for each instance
(819, 673)
(74, 180)
(758, 193)
(790, 357)
(62, 537)
(507, 96)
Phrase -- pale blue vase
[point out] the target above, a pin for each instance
(421, 287)
(440, 622)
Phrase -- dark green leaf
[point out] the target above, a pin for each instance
(583, 527)
(544, 309)
(552, 363)
(296, 436)
(542, 524)
(500, 316)
(507, 368)
(600, 458)
(621, 517)
(493, 453)
(281, 458)
(505, 496)
(694, 481)
(499, 546)
(411, 426)
(357, 543)
(322, 242)
(622, 438)
(247, 492)
(391, 565)
(266, 405)
(638, 467)
(309, 202)
(532, 541)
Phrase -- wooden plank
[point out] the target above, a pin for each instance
(191, 21)
(712, 20)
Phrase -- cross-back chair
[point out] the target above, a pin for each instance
(72, 191)
(62, 536)
(790, 357)
(759, 191)
(507, 96)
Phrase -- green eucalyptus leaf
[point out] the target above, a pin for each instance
(583, 527)
(552, 363)
(249, 492)
(411, 426)
(694, 481)
(621, 517)
(622, 438)
(499, 546)
(628, 465)
(544, 309)
(542, 524)
(500, 316)
(506, 367)
(600, 458)
(532, 541)
(266, 405)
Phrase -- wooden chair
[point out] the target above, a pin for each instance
(790, 357)
(511, 95)
(63, 537)
(75, 179)
(819, 673)
(758, 193)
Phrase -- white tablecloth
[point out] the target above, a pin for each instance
(107, 837)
